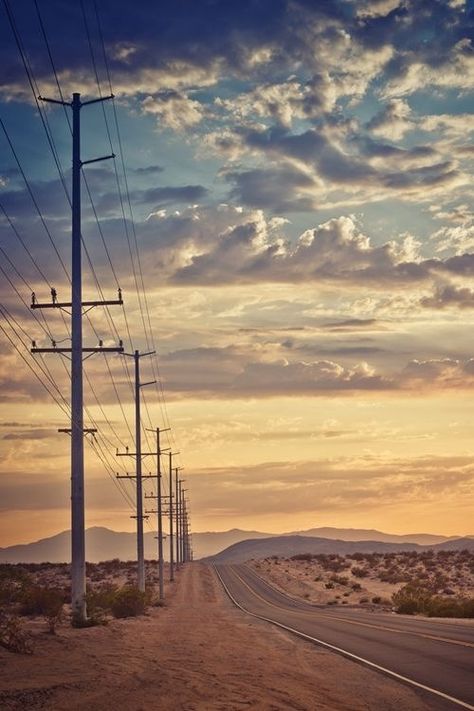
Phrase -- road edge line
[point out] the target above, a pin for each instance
(345, 653)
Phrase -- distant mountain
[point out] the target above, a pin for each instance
(456, 544)
(104, 544)
(362, 534)
(210, 542)
(101, 544)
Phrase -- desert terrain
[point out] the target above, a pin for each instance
(197, 652)
(371, 579)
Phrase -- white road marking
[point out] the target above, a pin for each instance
(346, 653)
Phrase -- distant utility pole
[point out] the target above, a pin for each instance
(183, 521)
(159, 507)
(170, 462)
(136, 355)
(78, 560)
(177, 516)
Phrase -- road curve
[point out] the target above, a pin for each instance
(436, 657)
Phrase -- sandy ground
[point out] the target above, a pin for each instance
(197, 653)
(309, 580)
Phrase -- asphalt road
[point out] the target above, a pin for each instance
(438, 655)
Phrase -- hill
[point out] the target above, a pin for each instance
(292, 545)
(286, 546)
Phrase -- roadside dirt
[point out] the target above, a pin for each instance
(199, 653)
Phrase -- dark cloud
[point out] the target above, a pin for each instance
(149, 170)
(34, 434)
(449, 295)
(170, 195)
(279, 189)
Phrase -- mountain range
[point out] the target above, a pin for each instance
(104, 544)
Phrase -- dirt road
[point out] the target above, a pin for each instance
(198, 653)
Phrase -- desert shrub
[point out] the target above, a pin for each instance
(99, 601)
(460, 607)
(411, 599)
(359, 572)
(12, 635)
(128, 602)
(302, 556)
(329, 586)
(339, 579)
(13, 580)
(356, 587)
(37, 600)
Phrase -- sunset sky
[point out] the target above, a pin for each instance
(300, 177)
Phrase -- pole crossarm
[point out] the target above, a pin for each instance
(139, 355)
(134, 476)
(80, 103)
(68, 304)
(144, 454)
(113, 349)
(86, 430)
(97, 160)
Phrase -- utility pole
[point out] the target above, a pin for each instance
(183, 521)
(78, 561)
(159, 508)
(136, 355)
(177, 516)
(170, 462)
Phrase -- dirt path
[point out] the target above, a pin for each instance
(198, 653)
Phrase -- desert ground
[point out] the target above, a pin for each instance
(198, 652)
(369, 579)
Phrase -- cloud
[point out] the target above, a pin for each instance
(331, 165)
(336, 484)
(449, 295)
(284, 102)
(33, 434)
(335, 250)
(456, 71)
(173, 110)
(167, 195)
(393, 122)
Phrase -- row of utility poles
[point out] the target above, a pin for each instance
(175, 504)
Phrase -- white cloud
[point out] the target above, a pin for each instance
(394, 121)
(173, 110)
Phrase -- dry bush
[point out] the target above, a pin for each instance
(359, 572)
(415, 599)
(13, 581)
(12, 635)
(128, 601)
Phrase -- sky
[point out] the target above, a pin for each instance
(289, 216)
